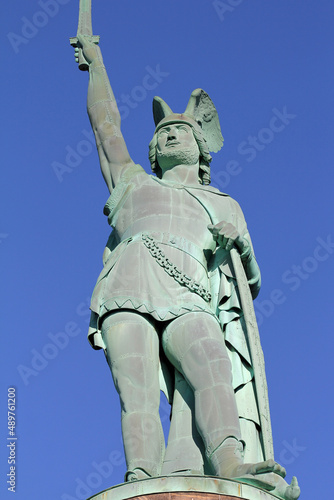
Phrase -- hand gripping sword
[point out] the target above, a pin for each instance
(84, 28)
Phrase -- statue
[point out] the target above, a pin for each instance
(170, 308)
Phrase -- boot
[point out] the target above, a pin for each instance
(227, 459)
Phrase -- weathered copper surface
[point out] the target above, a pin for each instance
(173, 305)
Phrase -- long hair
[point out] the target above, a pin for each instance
(205, 158)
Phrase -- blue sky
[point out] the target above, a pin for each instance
(268, 66)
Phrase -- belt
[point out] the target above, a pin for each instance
(173, 271)
(166, 238)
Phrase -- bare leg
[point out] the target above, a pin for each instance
(132, 351)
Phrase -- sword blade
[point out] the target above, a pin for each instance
(256, 354)
(85, 18)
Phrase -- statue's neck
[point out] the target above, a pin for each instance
(182, 174)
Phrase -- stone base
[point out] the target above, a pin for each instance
(184, 488)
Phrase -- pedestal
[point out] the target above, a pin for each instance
(184, 488)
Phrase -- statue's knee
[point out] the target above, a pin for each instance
(138, 390)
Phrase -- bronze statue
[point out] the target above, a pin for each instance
(172, 306)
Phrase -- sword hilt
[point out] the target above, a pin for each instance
(83, 64)
(84, 28)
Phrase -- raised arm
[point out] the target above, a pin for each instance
(104, 116)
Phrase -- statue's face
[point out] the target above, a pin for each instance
(175, 136)
(176, 144)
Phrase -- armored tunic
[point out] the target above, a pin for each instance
(147, 213)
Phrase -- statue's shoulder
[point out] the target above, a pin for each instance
(216, 197)
(206, 189)
(220, 206)
(130, 173)
(227, 198)
(132, 176)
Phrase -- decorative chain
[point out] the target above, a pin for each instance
(179, 276)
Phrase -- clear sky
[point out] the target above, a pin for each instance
(268, 67)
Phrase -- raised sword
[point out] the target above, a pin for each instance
(84, 28)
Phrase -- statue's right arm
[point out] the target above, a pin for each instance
(104, 117)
